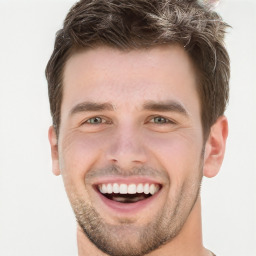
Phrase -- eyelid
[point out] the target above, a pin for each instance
(103, 118)
(150, 120)
(168, 120)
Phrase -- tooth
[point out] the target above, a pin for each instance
(140, 188)
(119, 199)
(146, 188)
(115, 188)
(104, 189)
(128, 189)
(152, 189)
(131, 189)
(109, 188)
(123, 189)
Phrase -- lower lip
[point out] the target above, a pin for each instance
(128, 208)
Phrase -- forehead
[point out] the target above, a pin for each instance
(121, 77)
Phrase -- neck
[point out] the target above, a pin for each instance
(187, 243)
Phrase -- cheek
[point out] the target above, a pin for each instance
(180, 157)
(178, 154)
(78, 153)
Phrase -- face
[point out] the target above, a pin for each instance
(130, 145)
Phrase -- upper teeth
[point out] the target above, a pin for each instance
(128, 189)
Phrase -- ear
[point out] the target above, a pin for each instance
(215, 147)
(54, 150)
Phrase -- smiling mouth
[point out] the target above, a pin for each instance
(128, 193)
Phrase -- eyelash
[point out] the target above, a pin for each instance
(164, 119)
(104, 121)
(94, 118)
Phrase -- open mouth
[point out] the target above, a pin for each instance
(128, 193)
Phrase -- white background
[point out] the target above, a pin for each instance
(35, 216)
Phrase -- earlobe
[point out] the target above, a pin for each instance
(215, 147)
(54, 150)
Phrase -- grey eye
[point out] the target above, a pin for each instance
(95, 120)
(160, 120)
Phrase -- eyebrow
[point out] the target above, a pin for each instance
(169, 106)
(91, 106)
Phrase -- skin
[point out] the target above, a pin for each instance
(128, 136)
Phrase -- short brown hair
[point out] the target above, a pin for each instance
(135, 24)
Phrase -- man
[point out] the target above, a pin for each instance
(137, 93)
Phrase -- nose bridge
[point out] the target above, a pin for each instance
(126, 147)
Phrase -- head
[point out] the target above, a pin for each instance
(137, 93)
(145, 24)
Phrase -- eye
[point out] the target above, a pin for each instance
(160, 120)
(95, 120)
(95, 124)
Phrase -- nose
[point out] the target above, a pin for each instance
(126, 149)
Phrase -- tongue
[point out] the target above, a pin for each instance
(127, 198)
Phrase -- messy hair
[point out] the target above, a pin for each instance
(138, 24)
